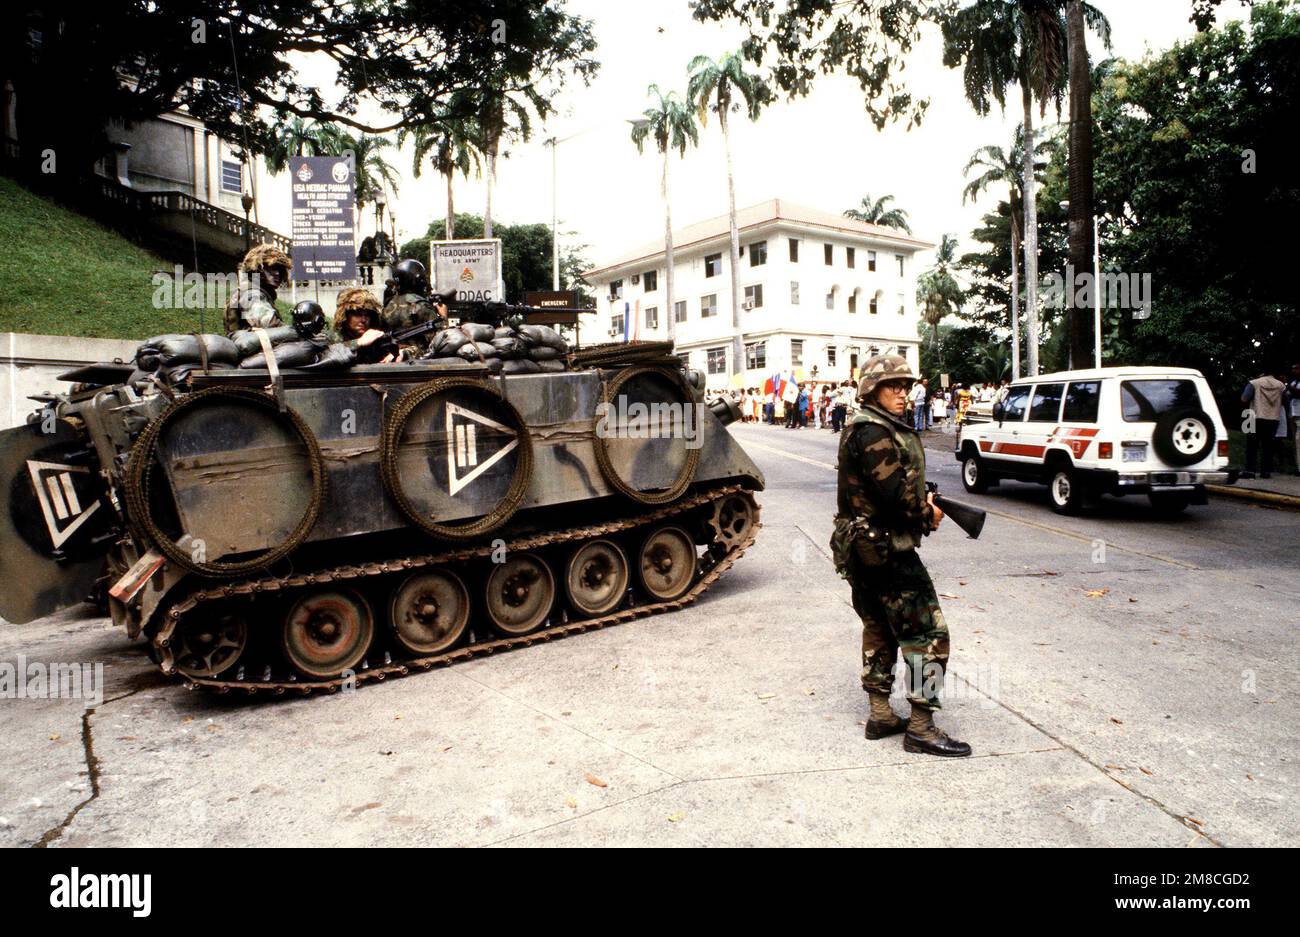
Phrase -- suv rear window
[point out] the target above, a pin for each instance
(1082, 402)
(1147, 401)
(1047, 403)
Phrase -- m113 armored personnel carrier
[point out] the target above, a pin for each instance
(290, 531)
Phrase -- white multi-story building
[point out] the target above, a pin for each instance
(820, 294)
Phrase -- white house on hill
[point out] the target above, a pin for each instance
(821, 294)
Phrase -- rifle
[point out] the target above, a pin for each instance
(968, 518)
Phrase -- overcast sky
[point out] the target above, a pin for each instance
(821, 150)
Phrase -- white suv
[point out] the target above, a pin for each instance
(1152, 431)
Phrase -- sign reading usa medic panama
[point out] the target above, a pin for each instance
(471, 268)
(324, 193)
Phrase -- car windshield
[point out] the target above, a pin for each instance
(1147, 401)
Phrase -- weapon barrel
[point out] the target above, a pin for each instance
(968, 518)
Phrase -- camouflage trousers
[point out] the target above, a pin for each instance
(900, 612)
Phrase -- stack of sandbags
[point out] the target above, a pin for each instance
(173, 357)
(288, 346)
(529, 349)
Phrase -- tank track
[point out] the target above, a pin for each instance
(713, 564)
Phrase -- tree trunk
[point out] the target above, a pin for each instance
(668, 250)
(737, 342)
(491, 181)
(1015, 298)
(1080, 242)
(1031, 233)
(451, 210)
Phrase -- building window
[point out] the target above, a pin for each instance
(796, 352)
(758, 253)
(651, 280)
(849, 256)
(616, 324)
(794, 292)
(652, 317)
(853, 301)
(794, 250)
(708, 305)
(615, 289)
(874, 306)
(871, 261)
(830, 356)
(756, 355)
(679, 311)
(713, 265)
(684, 357)
(828, 250)
(899, 258)
(901, 308)
(830, 300)
(754, 296)
(232, 176)
(717, 360)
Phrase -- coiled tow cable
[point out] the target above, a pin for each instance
(601, 443)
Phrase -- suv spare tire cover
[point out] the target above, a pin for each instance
(1183, 437)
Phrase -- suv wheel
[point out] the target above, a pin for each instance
(1169, 503)
(975, 475)
(1183, 437)
(1066, 491)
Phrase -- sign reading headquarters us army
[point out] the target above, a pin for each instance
(471, 268)
(324, 193)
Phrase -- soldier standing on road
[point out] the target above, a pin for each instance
(411, 304)
(883, 512)
(252, 306)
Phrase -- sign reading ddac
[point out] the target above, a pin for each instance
(324, 193)
(471, 268)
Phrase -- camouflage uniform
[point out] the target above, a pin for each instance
(252, 306)
(882, 498)
(350, 300)
(405, 310)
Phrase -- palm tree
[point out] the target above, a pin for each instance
(373, 173)
(715, 86)
(876, 213)
(670, 121)
(998, 166)
(494, 125)
(1079, 17)
(448, 144)
(937, 290)
(296, 137)
(1001, 43)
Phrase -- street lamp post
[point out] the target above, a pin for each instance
(247, 201)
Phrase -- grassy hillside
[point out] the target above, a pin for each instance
(64, 274)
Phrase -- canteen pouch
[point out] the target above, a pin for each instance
(856, 536)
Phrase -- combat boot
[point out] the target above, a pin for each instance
(925, 738)
(883, 722)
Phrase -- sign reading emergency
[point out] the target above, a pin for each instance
(324, 193)
(471, 268)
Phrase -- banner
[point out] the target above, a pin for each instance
(471, 268)
(324, 240)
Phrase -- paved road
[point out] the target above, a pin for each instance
(1124, 681)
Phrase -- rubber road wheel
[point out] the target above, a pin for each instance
(1183, 437)
(975, 475)
(1066, 491)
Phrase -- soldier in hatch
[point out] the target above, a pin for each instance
(358, 322)
(264, 270)
(412, 305)
(883, 512)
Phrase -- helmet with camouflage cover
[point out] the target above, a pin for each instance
(883, 368)
(263, 256)
(353, 299)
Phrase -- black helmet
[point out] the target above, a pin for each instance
(308, 318)
(411, 277)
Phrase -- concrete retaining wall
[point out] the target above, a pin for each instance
(31, 364)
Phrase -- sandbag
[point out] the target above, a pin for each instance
(288, 355)
(448, 342)
(177, 374)
(474, 351)
(167, 350)
(551, 367)
(543, 335)
(543, 353)
(247, 342)
(505, 331)
(520, 366)
(478, 332)
(335, 355)
(510, 347)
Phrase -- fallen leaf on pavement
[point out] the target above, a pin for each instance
(676, 817)
(54, 737)
(767, 696)
(595, 781)
(1250, 777)
(1118, 722)
(1096, 593)
(1194, 820)
(1131, 599)
(945, 595)
(570, 802)
(187, 719)
(1150, 774)
(809, 691)
(445, 748)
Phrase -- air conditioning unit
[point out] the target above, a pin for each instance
(747, 305)
(636, 278)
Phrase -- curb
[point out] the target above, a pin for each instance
(1250, 494)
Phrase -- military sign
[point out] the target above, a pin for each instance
(471, 268)
(324, 194)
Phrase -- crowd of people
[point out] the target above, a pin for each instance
(824, 405)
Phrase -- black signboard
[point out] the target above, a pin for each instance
(557, 298)
(324, 193)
